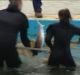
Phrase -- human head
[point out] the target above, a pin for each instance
(17, 3)
(64, 15)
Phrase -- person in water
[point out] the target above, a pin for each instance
(62, 33)
(12, 21)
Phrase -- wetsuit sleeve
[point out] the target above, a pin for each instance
(76, 30)
(49, 36)
(24, 32)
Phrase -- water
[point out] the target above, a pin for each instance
(35, 66)
(38, 65)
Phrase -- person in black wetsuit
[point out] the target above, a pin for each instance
(62, 33)
(12, 21)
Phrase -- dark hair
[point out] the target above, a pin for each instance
(12, 1)
(64, 14)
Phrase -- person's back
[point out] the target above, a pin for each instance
(9, 26)
(12, 21)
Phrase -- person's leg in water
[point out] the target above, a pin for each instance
(1, 59)
(12, 59)
(37, 8)
(37, 45)
(69, 62)
(1, 62)
(53, 61)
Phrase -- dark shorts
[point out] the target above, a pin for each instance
(10, 57)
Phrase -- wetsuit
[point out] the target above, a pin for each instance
(60, 51)
(12, 22)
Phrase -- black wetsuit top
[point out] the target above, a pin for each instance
(60, 51)
(12, 22)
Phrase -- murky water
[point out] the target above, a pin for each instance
(37, 66)
(40, 70)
